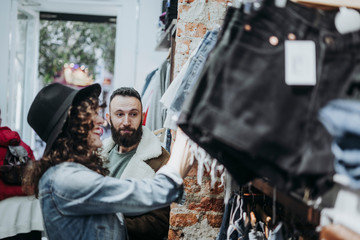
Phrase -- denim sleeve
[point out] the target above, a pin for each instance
(78, 191)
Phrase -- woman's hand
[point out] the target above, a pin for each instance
(180, 154)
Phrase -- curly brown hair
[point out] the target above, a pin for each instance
(72, 145)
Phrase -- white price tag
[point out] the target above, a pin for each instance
(300, 63)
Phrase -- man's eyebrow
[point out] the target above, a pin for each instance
(131, 110)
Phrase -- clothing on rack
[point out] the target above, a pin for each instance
(154, 113)
(170, 93)
(342, 119)
(147, 81)
(245, 221)
(178, 90)
(273, 128)
(194, 70)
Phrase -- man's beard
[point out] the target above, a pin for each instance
(126, 140)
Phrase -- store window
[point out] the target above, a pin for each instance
(76, 50)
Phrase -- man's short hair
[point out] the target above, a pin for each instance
(125, 91)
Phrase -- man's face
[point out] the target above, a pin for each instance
(125, 117)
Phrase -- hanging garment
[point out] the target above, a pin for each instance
(194, 70)
(188, 74)
(155, 114)
(225, 219)
(244, 114)
(147, 81)
(342, 119)
(277, 233)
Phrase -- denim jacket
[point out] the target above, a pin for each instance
(78, 203)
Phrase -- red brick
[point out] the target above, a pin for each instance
(183, 219)
(174, 234)
(214, 220)
(206, 173)
(184, 46)
(191, 185)
(179, 32)
(208, 204)
(175, 205)
(193, 170)
(182, 8)
(189, 27)
(216, 190)
(200, 30)
(195, 29)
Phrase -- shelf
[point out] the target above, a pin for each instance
(165, 40)
(303, 210)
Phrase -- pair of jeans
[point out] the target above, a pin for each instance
(194, 70)
(242, 106)
(342, 119)
(232, 26)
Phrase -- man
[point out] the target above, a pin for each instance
(134, 151)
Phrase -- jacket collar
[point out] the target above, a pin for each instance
(148, 148)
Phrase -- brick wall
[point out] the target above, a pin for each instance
(200, 217)
(195, 17)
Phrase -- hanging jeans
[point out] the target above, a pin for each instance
(342, 119)
(195, 67)
(242, 108)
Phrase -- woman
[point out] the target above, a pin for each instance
(78, 201)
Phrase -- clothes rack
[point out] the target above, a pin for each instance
(305, 211)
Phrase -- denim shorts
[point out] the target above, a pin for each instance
(245, 108)
(195, 67)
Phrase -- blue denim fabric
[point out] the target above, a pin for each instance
(246, 109)
(347, 162)
(277, 233)
(168, 140)
(342, 119)
(78, 203)
(225, 220)
(194, 70)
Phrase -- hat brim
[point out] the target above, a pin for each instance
(77, 96)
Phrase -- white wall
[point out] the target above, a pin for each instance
(135, 48)
(5, 45)
(136, 42)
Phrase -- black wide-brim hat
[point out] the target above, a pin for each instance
(48, 111)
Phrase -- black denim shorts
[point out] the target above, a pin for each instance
(242, 106)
